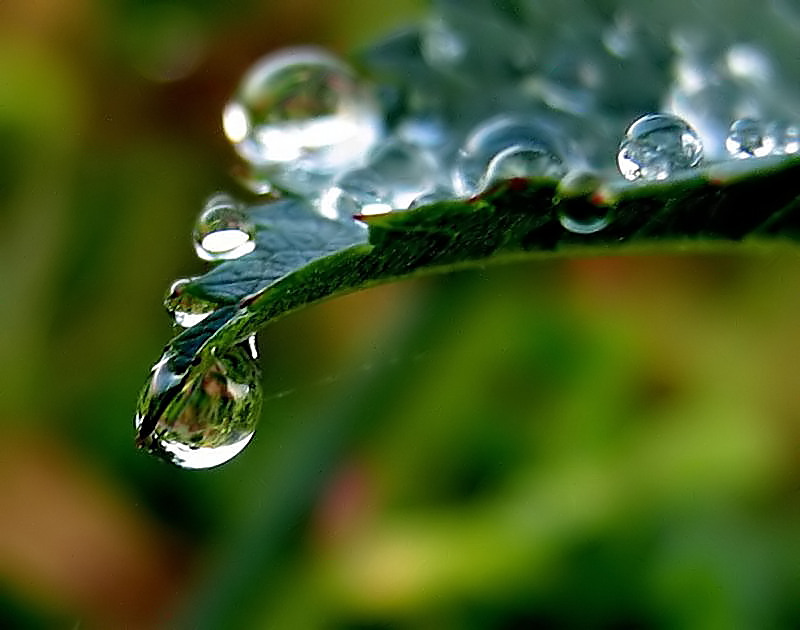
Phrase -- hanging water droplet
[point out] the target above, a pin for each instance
(583, 218)
(301, 115)
(186, 309)
(577, 212)
(507, 146)
(658, 145)
(223, 230)
(747, 138)
(205, 417)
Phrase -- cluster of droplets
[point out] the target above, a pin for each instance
(202, 415)
(482, 91)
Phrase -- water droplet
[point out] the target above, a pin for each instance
(790, 139)
(473, 46)
(583, 218)
(576, 210)
(223, 230)
(749, 62)
(252, 346)
(442, 46)
(205, 417)
(656, 146)
(619, 37)
(440, 193)
(748, 137)
(252, 180)
(302, 115)
(406, 171)
(186, 309)
(506, 145)
(361, 191)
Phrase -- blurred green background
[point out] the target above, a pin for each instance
(609, 443)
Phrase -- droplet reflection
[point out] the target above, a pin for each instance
(186, 309)
(301, 115)
(205, 417)
(658, 145)
(223, 230)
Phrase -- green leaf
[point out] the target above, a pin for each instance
(303, 258)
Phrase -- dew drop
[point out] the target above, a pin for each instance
(439, 193)
(506, 146)
(656, 146)
(302, 115)
(584, 218)
(361, 191)
(186, 309)
(406, 170)
(748, 137)
(576, 211)
(442, 45)
(205, 417)
(790, 139)
(223, 230)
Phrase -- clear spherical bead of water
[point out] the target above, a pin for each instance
(186, 309)
(360, 191)
(789, 139)
(575, 211)
(397, 173)
(223, 230)
(656, 146)
(209, 419)
(749, 137)
(301, 115)
(407, 170)
(506, 146)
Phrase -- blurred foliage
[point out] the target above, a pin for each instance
(589, 443)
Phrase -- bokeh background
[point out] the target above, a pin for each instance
(610, 443)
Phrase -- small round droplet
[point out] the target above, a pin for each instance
(578, 211)
(223, 230)
(301, 115)
(405, 170)
(656, 146)
(361, 191)
(520, 160)
(442, 46)
(582, 218)
(790, 140)
(186, 309)
(749, 137)
(506, 146)
(204, 418)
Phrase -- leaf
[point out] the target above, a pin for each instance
(303, 258)
(289, 235)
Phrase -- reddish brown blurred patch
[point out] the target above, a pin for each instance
(69, 540)
(345, 506)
